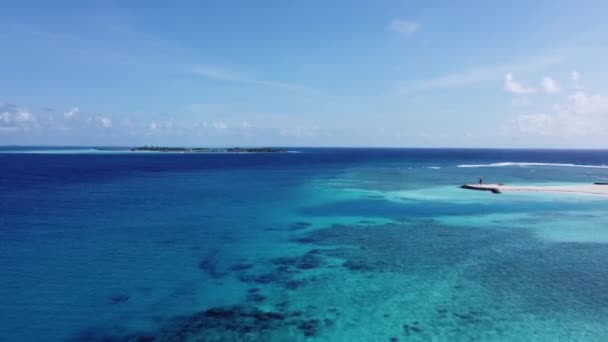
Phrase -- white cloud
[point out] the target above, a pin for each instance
(23, 116)
(70, 113)
(6, 122)
(534, 124)
(550, 86)
(21, 126)
(13, 118)
(105, 122)
(164, 126)
(229, 126)
(582, 116)
(404, 27)
(582, 105)
(478, 75)
(101, 121)
(219, 125)
(214, 73)
(576, 80)
(98, 128)
(5, 117)
(512, 86)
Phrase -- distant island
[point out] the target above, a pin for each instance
(207, 150)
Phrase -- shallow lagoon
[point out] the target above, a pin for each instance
(328, 244)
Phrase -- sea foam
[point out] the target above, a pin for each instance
(534, 164)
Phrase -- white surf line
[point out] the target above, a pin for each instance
(504, 164)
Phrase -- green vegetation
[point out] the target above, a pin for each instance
(205, 149)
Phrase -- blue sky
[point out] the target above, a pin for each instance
(304, 73)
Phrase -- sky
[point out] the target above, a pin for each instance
(521, 74)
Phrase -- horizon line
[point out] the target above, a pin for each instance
(319, 147)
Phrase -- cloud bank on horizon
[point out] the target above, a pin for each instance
(304, 74)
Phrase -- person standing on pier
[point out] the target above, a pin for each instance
(480, 180)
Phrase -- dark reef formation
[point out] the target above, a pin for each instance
(300, 225)
(118, 299)
(233, 323)
(307, 261)
(396, 247)
(240, 267)
(209, 265)
(285, 272)
(254, 296)
(543, 275)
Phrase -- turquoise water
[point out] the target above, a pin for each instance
(327, 245)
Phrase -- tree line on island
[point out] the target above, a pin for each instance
(207, 149)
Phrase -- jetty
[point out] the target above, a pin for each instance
(494, 188)
(591, 189)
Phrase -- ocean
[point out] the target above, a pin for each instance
(334, 244)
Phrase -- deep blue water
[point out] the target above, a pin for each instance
(324, 244)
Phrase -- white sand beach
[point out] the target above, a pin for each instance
(591, 189)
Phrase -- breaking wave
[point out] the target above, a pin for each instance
(534, 164)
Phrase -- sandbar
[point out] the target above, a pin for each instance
(590, 189)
